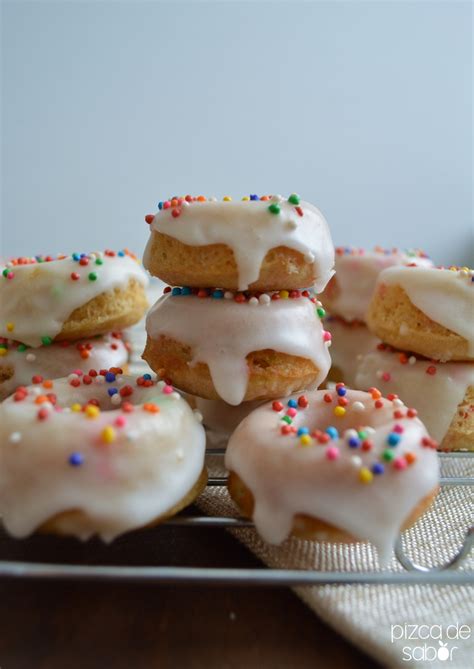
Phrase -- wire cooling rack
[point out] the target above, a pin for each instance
(453, 469)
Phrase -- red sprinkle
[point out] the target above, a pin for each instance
(412, 413)
(277, 406)
(328, 398)
(303, 401)
(43, 414)
(431, 370)
(75, 276)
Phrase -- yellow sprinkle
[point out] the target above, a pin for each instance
(3, 351)
(305, 440)
(92, 411)
(10, 327)
(226, 198)
(365, 475)
(284, 294)
(245, 198)
(76, 407)
(339, 411)
(108, 434)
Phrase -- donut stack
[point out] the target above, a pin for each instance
(237, 324)
(425, 319)
(60, 314)
(347, 298)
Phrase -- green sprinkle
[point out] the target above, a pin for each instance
(294, 199)
(99, 261)
(321, 312)
(274, 208)
(362, 435)
(4, 346)
(46, 341)
(21, 348)
(388, 455)
(5, 271)
(287, 419)
(92, 276)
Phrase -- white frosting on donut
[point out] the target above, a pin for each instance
(130, 467)
(349, 342)
(445, 296)
(59, 359)
(349, 293)
(434, 388)
(222, 333)
(251, 230)
(39, 297)
(287, 478)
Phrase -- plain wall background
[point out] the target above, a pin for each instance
(364, 108)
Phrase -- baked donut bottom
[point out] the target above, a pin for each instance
(308, 527)
(271, 374)
(214, 265)
(113, 310)
(398, 322)
(76, 521)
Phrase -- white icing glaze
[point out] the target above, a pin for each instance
(349, 342)
(445, 296)
(434, 395)
(287, 478)
(349, 293)
(222, 333)
(40, 297)
(153, 462)
(59, 359)
(250, 230)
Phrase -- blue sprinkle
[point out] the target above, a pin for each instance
(76, 257)
(354, 442)
(76, 459)
(186, 290)
(160, 205)
(303, 430)
(218, 294)
(378, 468)
(112, 391)
(393, 439)
(341, 392)
(121, 254)
(109, 377)
(332, 432)
(147, 377)
(176, 291)
(293, 404)
(254, 197)
(83, 255)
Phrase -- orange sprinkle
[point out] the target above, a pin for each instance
(48, 383)
(151, 407)
(410, 458)
(41, 399)
(85, 354)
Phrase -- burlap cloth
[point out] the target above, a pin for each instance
(365, 614)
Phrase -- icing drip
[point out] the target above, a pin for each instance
(251, 230)
(350, 291)
(122, 467)
(445, 296)
(40, 297)
(349, 342)
(222, 333)
(434, 388)
(52, 362)
(336, 486)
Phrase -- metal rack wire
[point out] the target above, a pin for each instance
(413, 573)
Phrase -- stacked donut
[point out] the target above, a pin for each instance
(425, 318)
(238, 324)
(347, 298)
(60, 314)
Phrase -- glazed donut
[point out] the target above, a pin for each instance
(97, 454)
(237, 347)
(45, 299)
(442, 392)
(350, 290)
(426, 310)
(349, 342)
(334, 466)
(267, 243)
(21, 366)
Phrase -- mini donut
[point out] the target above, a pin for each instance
(267, 243)
(21, 366)
(442, 392)
(350, 290)
(97, 454)
(237, 347)
(426, 310)
(334, 466)
(46, 299)
(349, 342)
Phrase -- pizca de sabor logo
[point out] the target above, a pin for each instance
(430, 642)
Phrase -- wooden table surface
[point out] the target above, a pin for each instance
(69, 625)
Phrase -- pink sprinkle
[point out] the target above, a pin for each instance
(386, 376)
(121, 421)
(78, 372)
(327, 336)
(167, 390)
(398, 428)
(291, 412)
(10, 275)
(400, 463)
(332, 453)
(167, 204)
